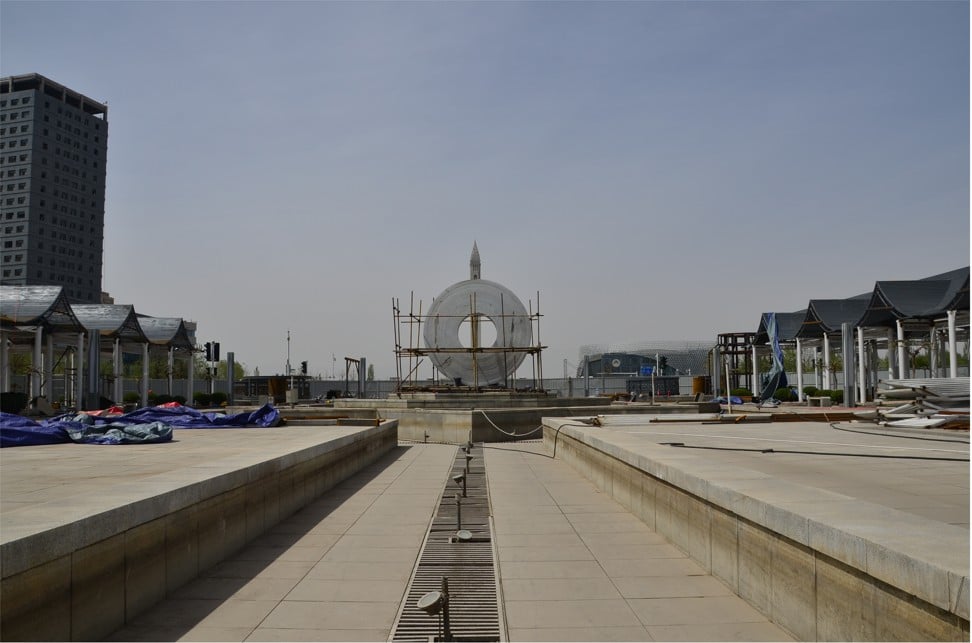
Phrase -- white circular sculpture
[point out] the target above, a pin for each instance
(489, 302)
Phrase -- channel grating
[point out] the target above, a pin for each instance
(468, 566)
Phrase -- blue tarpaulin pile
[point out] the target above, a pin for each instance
(142, 426)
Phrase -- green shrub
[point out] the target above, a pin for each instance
(811, 391)
(181, 399)
(132, 397)
(783, 394)
(836, 396)
(740, 392)
(218, 398)
(162, 398)
(201, 398)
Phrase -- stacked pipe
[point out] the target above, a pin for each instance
(924, 403)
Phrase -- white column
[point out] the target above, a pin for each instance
(4, 364)
(933, 352)
(119, 393)
(826, 366)
(799, 367)
(38, 363)
(79, 373)
(952, 345)
(902, 353)
(755, 382)
(145, 374)
(49, 369)
(861, 379)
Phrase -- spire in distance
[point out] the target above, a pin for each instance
(475, 267)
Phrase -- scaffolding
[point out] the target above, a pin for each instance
(735, 350)
(410, 354)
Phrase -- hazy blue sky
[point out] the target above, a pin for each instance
(654, 170)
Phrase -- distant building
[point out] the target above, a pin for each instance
(53, 147)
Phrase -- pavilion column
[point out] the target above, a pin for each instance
(755, 383)
(902, 352)
(952, 345)
(817, 378)
(861, 366)
(892, 356)
(38, 361)
(49, 369)
(79, 373)
(145, 374)
(116, 355)
(170, 367)
(4, 364)
(826, 365)
(799, 367)
(872, 371)
(933, 351)
(189, 380)
(92, 398)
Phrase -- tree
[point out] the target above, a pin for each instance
(371, 372)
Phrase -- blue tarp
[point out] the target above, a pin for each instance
(184, 417)
(733, 399)
(18, 431)
(146, 425)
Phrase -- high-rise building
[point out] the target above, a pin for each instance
(53, 146)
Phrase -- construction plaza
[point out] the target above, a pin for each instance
(477, 511)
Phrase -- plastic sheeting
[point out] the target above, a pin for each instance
(184, 417)
(142, 426)
(18, 431)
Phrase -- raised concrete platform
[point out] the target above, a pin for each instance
(846, 533)
(490, 419)
(91, 536)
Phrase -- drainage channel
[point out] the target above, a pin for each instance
(459, 549)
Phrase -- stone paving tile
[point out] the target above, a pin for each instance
(294, 634)
(397, 571)
(319, 615)
(581, 634)
(569, 613)
(559, 589)
(694, 610)
(720, 632)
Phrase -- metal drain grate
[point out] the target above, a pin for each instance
(468, 566)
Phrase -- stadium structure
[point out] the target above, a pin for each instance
(674, 358)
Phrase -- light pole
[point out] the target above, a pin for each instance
(289, 373)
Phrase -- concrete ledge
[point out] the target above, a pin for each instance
(482, 424)
(115, 554)
(820, 564)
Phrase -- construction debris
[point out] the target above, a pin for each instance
(941, 403)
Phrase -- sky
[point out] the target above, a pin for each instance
(636, 171)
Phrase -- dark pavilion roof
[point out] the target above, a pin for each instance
(32, 306)
(916, 300)
(828, 315)
(925, 299)
(787, 326)
(166, 331)
(111, 321)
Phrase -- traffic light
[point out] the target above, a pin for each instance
(215, 351)
(209, 352)
(303, 368)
